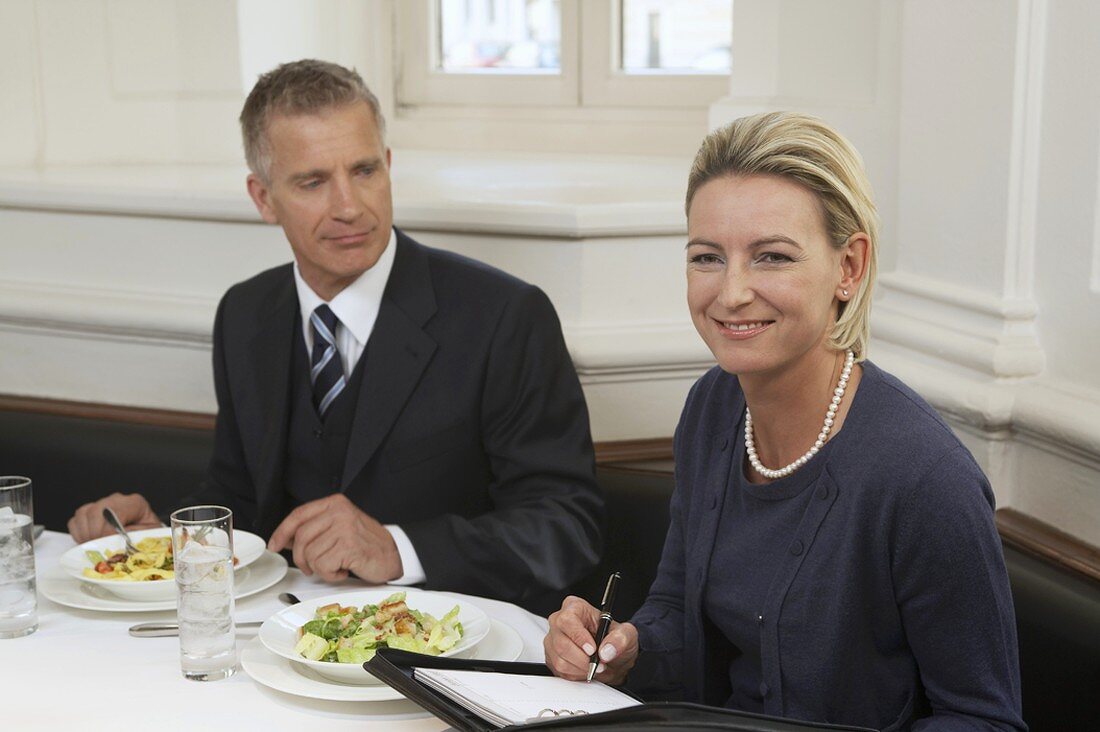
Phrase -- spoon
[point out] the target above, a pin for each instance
(160, 630)
(112, 519)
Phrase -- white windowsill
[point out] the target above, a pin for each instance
(502, 193)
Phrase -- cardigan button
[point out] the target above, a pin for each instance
(760, 618)
(765, 690)
(796, 547)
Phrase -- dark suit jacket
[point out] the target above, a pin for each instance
(892, 599)
(471, 430)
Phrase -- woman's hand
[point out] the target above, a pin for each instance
(571, 641)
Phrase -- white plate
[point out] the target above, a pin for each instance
(501, 643)
(279, 633)
(64, 590)
(246, 547)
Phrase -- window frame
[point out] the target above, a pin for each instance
(605, 84)
(590, 77)
(420, 81)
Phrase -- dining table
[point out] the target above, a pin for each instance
(82, 670)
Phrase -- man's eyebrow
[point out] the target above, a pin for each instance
(306, 175)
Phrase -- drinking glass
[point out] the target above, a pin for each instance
(18, 601)
(202, 549)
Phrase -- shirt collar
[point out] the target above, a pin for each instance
(357, 305)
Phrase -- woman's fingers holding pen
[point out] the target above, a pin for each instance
(571, 640)
(618, 653)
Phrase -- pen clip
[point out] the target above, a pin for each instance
(609, 592)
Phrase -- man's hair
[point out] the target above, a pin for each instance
(809, 152)
(308, 86)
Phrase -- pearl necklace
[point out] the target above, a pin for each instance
(830, 416)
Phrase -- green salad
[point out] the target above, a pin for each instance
(350, 635)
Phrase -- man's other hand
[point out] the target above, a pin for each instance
(132, 509)
(332, 537)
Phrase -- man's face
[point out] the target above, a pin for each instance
(329, 188)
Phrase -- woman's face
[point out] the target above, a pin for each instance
(763, 278)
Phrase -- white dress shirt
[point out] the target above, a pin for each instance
(357, 307)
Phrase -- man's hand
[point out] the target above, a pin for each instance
(331, 536)
(132, 509)
(571, 641)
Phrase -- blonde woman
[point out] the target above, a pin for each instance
(832, 555)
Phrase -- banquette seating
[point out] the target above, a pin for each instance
(75, 459)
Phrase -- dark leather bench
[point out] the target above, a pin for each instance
(73, 460)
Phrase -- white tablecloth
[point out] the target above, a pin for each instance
(83, 671)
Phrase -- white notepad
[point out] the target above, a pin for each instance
(505, 699)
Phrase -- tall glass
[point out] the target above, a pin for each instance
(18, 601)
(202, 549)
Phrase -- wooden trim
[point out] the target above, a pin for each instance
(622, 451)
(1046, 542)
(108, 412)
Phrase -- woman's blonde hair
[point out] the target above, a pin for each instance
(808, 151)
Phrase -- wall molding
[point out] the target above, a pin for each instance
(572, 196)
(1025, 147)
(601, 352)
(993, 336)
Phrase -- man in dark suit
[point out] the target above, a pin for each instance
(385, 409)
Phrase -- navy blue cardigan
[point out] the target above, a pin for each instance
(891, 608)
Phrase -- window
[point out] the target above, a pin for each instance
(564, 53)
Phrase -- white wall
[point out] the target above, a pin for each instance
(123, 215)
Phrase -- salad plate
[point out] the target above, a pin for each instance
(280, 632)
(64, 589)
(247, 548)
(501, 643)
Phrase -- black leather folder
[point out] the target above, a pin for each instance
(395, 668)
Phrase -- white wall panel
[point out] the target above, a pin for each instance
(955, 133)
(20, 123)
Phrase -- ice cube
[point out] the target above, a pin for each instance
(10, 521)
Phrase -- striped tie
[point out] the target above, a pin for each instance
(327, 372)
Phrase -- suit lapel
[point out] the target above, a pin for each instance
(398, 352)
(270, 352)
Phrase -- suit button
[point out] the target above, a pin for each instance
(334, 481)
(318, 433)
(823, 492)
(796, 547)
(765, 690)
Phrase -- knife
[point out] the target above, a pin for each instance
(160, 630)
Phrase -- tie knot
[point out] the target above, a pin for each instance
(324, 323)
(327, 317)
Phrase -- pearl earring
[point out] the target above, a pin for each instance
(845, 293)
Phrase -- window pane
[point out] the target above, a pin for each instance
(500, 36)
(673, 36)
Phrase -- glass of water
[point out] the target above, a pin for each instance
(18, 602)
(202, 550)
